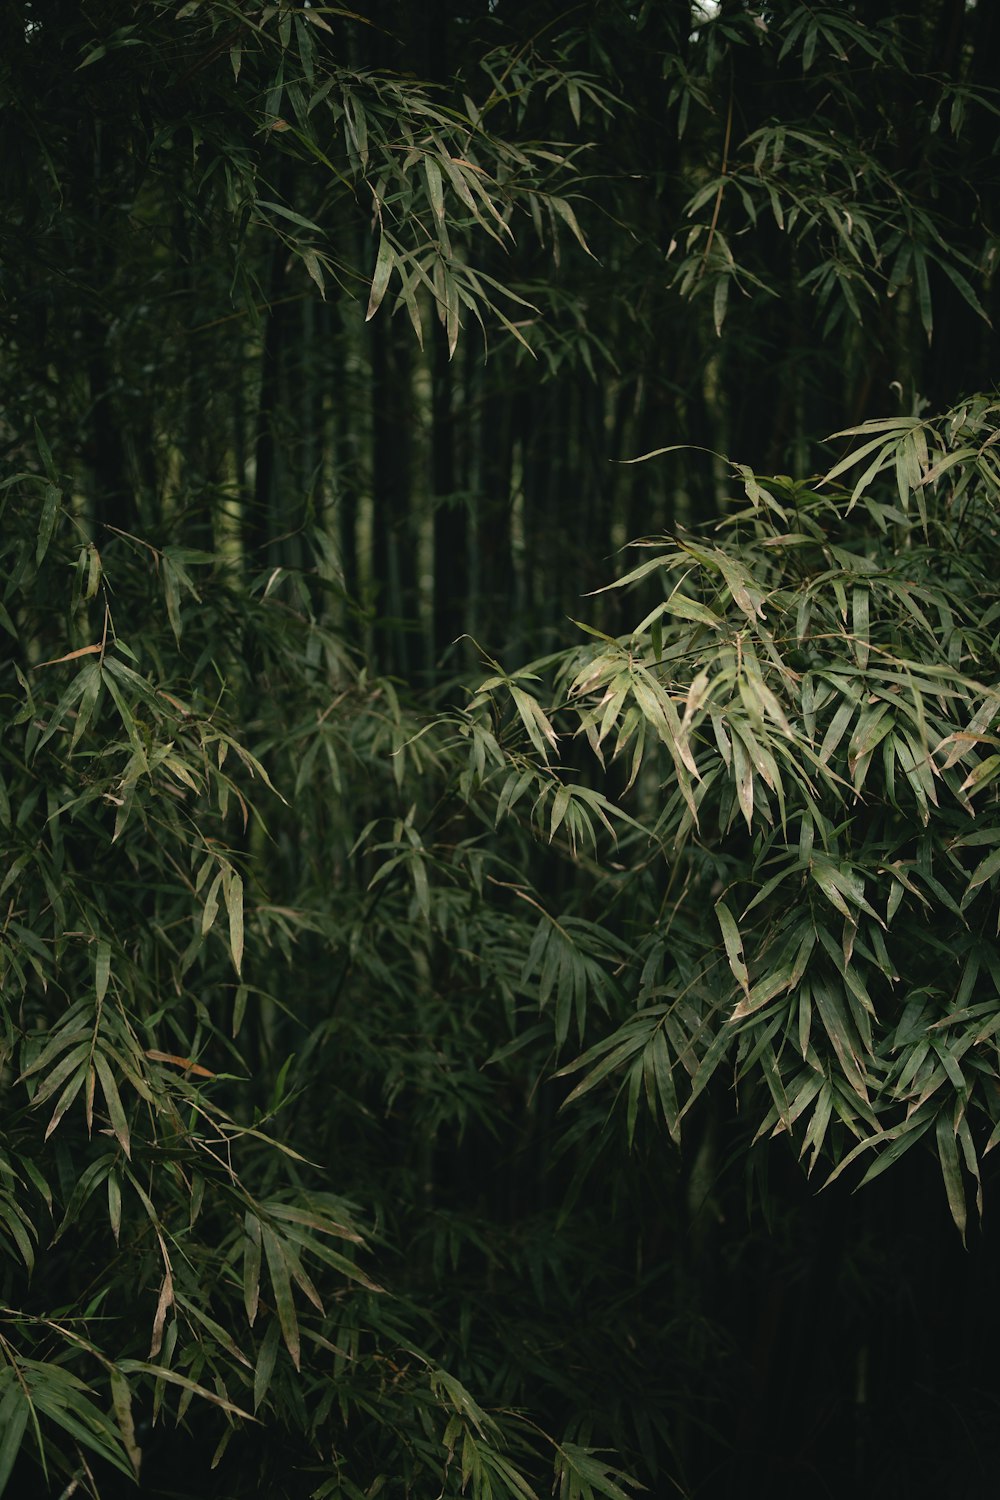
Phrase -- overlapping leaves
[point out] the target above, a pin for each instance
(817, 700)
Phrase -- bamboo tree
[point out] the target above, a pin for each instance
(371, 1063)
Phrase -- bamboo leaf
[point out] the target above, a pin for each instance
(720, 300)
(435, 188)
(121, 1399)
(743, 775)
(734, 947)
(984, 871)
(278, 1268)
(951, 1171)
(860, 624)
(384, 263)
(232, 885)
(290, 214)
(251, 1266)
(112, 1098)
(102, 969)
(565, 212)
(174, 1377)
(47, 522)
(923, 292)
(266, 1358)
(115, 1204)
(15, 1408)
(540, 731)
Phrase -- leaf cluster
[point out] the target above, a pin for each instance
(807, 726)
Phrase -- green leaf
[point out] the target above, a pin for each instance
(46, 526)
(116, 1111)
(841, 1033)
(923, 292)
(581, 1475)
(232, 885)
(690, 609)
(115, 1204)
(860, 624)
(278, 1268)
(984, 871)
(384, 263)
(565, 212)
(211, 908)
(174, 1377)
(102, 969)
(535, 721)
(314, 266)
(951, 1171)
(14, 1411)
(266, 1358)
(963, 287)
(435, 188)
(290, 214)
(720, 300)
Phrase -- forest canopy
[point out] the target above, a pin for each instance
(499, 748)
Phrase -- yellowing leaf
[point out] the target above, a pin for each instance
(121, 1399)
(72, 655)
(734, 946)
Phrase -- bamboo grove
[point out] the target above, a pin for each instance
(498, 804)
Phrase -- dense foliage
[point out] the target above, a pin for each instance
(395, 1018)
